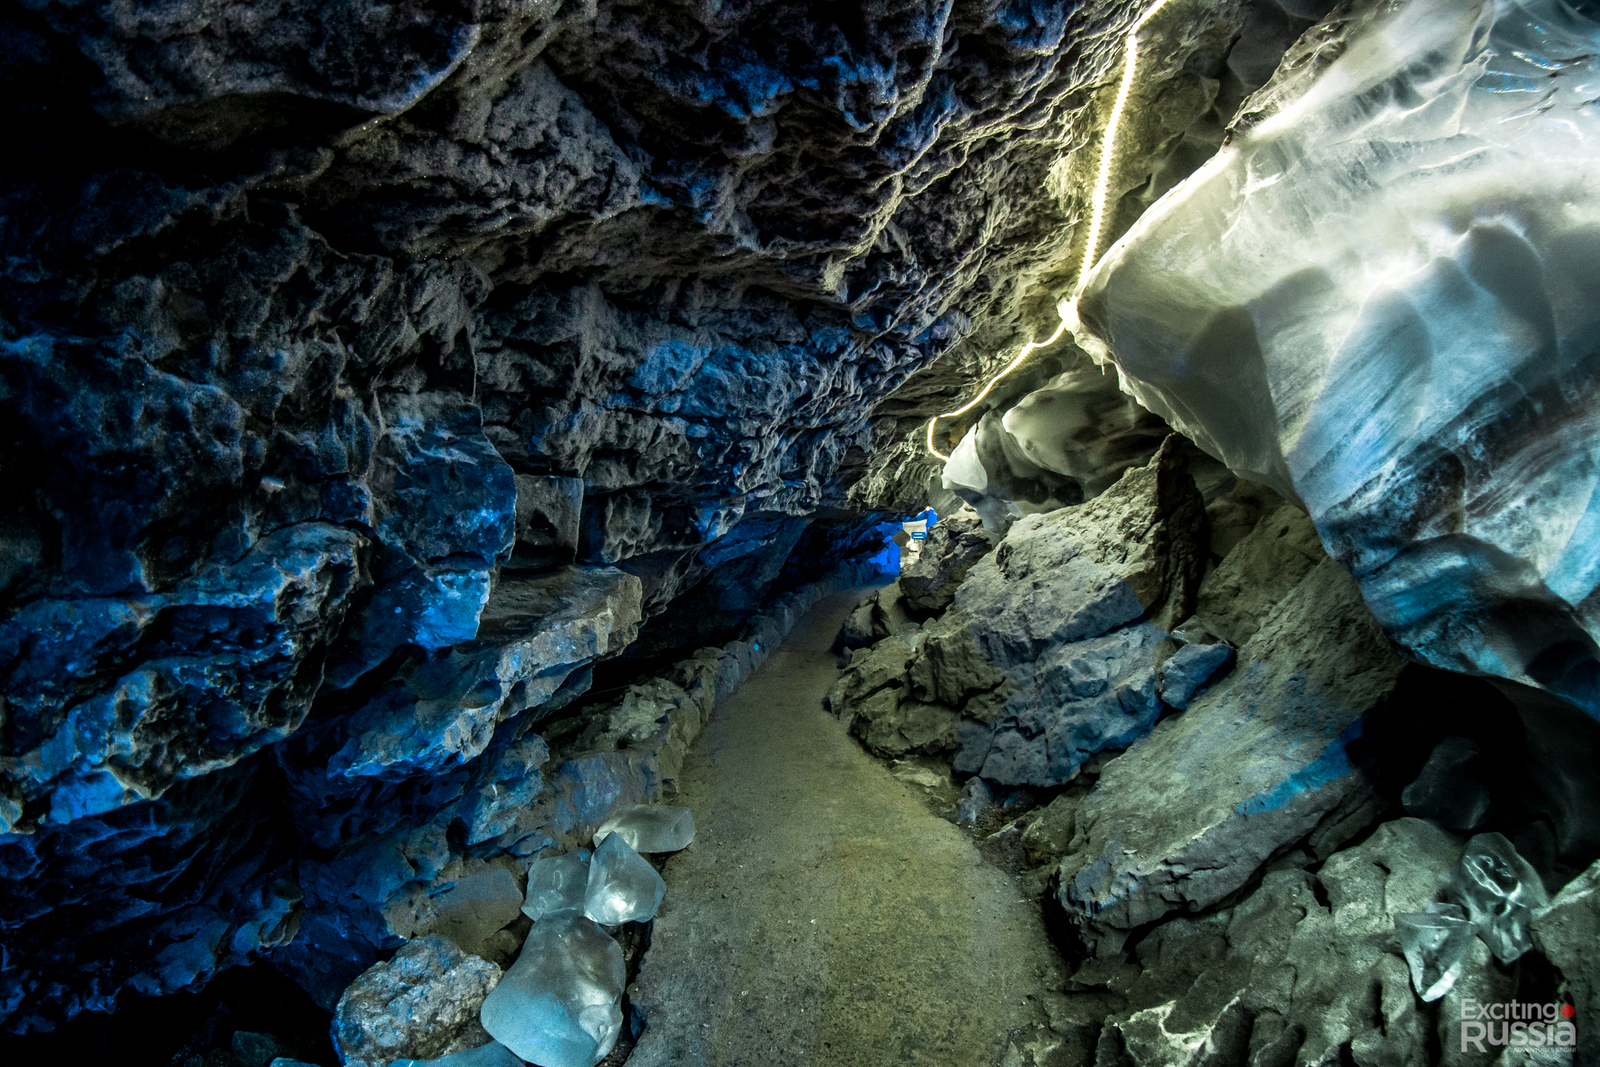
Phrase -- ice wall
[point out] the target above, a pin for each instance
(1383, 299)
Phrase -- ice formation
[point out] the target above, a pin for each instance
(1449, 789)
(623, 887)
(494, 1054)
(558, 1005)
(556, 883)
(1437, 943)
(1501, 891)
(650, 827)
(1383, 300)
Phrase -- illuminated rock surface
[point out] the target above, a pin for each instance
(420, 1005)
(1381, 300)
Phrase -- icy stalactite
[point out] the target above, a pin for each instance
(1383, 300)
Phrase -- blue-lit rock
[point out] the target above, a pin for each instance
(112, 700)
(1257, 762)
(420, 1005)
(1380, 299)
(1191, 667)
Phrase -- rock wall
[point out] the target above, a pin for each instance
(1230, 792)
(327, 332)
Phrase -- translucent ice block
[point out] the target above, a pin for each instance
(494, 1054)
(623, 887)
(1437, 943)
(557, 883)
(558, 1005)
(1500, 891)
(650, 827)
(1449, 789)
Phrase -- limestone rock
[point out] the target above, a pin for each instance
(420, 1005)
(1077, 699)
(1295, 971)
(883, 666)
(1049, 835)
(549, 508)
(1191, 667)
(892, 725)
(1566, 932)
(1046, 649)
(857, 631)
(535, 632)
(1083, 571)
(1266, 564)
(1191, 812)
(953, 546)
(482, 899)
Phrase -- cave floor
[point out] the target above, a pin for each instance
(824, 914)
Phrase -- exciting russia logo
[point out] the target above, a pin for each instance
(1515, 1024)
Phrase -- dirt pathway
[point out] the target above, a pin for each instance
(823, 914)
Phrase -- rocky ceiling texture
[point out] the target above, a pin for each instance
(345, 346)
(375, 377)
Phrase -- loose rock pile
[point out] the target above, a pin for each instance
(1211, 729)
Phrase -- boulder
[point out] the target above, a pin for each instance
(956, 542)
(892, 725)
(1567, 932)
(471, 908)
(1304, 969)
(420, 1005)
(1190, 813)
(1048, 651)
(1083, 571)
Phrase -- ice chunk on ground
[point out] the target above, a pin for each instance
(1449, 789)
(623, 887)
(1500, 891)
(650, 827)
(494, 1054)
(557, 883)
(558, 1005)
(1437, 943)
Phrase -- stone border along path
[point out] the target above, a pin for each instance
(823, 915)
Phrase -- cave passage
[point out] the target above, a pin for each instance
(824, 915)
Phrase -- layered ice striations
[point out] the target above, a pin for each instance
(1383, 299)
(559, 1004)
(623, 887)
(650, 827)
(557, 883)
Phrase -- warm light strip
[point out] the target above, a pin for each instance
(1097, 212)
